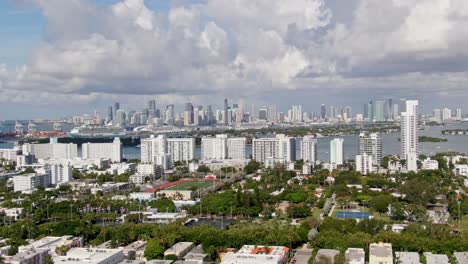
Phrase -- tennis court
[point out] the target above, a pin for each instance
(353, 215)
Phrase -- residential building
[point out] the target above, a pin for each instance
(52, 243)
(364, 164)
(154, 150)
(60, 173)
(250, 254)
(336, 151)
(309, 149)
(436, 258)
(429, 164)
(461, 170)
(280, 147)
(112, 151)
(380, 253)
(326, 256)
(355, 256)
(179, 250)
(149, 169)
(14, 213)
(32, 256)
(51, 150)
(407, 258)
(29, 182)
(181, 149)
(461, 257)
(221, 147)
(380, 111)
(409, 130)
(371, 144)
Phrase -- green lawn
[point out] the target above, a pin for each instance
(464, 224)
(189, 185)
(316, 212)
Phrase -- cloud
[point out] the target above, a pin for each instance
(244, 48)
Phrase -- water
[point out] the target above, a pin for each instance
(391, 145)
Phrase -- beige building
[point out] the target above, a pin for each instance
(380, 253)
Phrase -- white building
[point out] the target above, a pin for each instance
(27, 183)
(91, 256)
(412, 161)
(9, 154)
(461, 170)
(250, 254)
(112, 151)
(355, 256)
(179, 249)
(13, 213)
(429, 164)
(60, 173)
(336, 151)
(221, 147)
(33, 256)
(380, 253)
(51, 243)
(164, 151)
(371, 144)
(152, 170)
(181, 149)
(137, 178)
(154, 150)
(409, 130)
(143, 196)
(51, 150)
(280, 147)
(309, 149)
(364, 164)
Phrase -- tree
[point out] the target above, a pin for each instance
(381, 202)
(298, 210)
(154, 249)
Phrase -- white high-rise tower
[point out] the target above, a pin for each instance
(336, 151)
(409, 133)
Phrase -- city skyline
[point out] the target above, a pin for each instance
(312, 52)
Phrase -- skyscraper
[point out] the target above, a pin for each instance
(116, 108)
(409, 130)
(380, 111)
(390, 109)
(226, 106)
(370, 111)
(110, 114)
(364, 164)
(272, 115)
(170, 114)
(336, 151)
(188, 114)
(323, 112)
(332, 112)
(372, 146)
(152, 107)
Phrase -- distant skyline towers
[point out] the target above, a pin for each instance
(110, 114)
(116, 108)
(409, 145)
(152, 107)
(323, 112)
(332, 112)
(370, 111)
(336, 151)
(380, 111)
(226, 107)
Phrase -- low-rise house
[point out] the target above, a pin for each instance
(250, 254)
(407, 258)
(179, 250)
(436, 258)
(35, 255)
(355, 256)
(461, 257)
(91, 256)
(380, 253)
(56, 245)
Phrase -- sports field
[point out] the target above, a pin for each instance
(190, 184)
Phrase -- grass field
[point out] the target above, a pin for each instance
(191, 185)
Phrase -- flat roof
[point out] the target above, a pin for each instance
(407, 257)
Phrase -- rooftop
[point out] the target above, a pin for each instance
(436, 258)
(407, 258)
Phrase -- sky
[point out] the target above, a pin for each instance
(60, 58)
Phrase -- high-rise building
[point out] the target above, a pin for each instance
(29, 182)
(380, 111)
(154, 150)
(263, 114)
(170, 114)
(181, 149)
(272, 115)
(53, 150)
(188, 114)
(110, 114)
(323, 112)
(221, 147)
(309, 149)
(209, 115)
(446, 114)
(112, 151)
(296, 114)
(152, 107)
(364, 164)
(370, 111)
(409, 130)
(226, 107)
(332, 112)
(121, 117)
(396, 112)
(459, 114)
(390, 109)
(116, 108)
(280, 148)
(371, 144)
(336, 151)
(437, 115)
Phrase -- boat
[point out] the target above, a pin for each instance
(97, 131)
